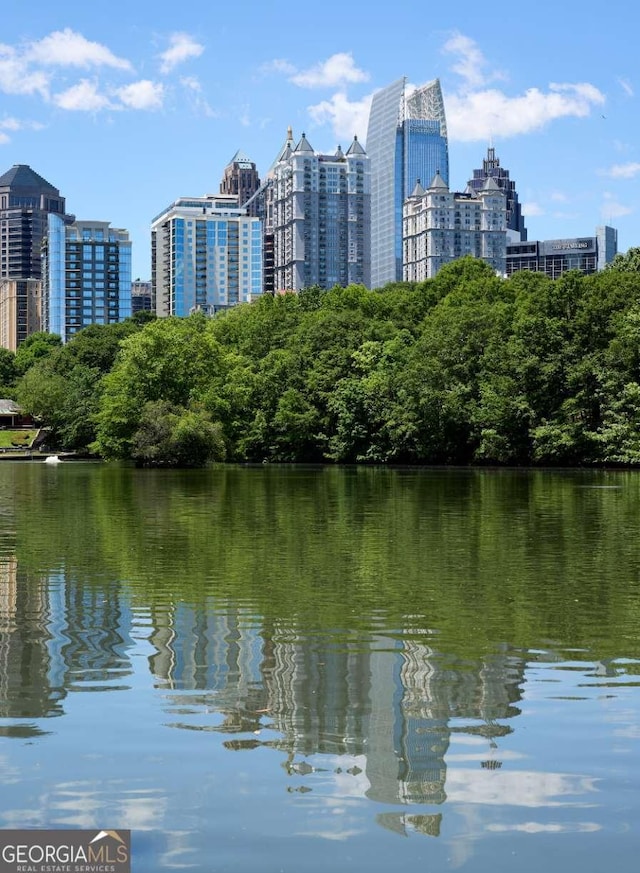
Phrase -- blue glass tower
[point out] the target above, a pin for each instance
(406, 141)
(86, 276)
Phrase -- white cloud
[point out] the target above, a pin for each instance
(337, 70)
(558, 197)
(532, 209)
(13, 125)
(623, 171)
(626, 86)
(347, 117)
(472, 63)
(66, 48)
(196, 98)
(83, 97)
(16, 78)
(181, 48)
(481, 114)
(611, 208)
(142, 95)
(278, 65)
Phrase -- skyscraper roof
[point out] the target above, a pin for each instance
(22, 176)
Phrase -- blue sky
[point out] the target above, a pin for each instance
(125, 106)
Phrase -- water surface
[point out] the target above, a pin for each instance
(305, 669)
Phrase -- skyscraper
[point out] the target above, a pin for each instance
(26, 201)
(321, 217)
(240, 178)
(206, 254)
(491, 169)
(86, 270)
(406, 141)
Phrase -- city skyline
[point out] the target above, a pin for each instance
(126, 109)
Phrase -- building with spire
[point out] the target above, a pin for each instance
(240, 178)
(260, 205)
(406, 140)
(440, 226)
(26, 201)
(317, 206)
(491, 169)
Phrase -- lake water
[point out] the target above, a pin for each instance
(292, 669)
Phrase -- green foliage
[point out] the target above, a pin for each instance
(170, 436)
(34, 348)
(467, 368)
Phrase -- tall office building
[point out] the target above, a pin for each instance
(206, 254)
(26, 201)
(142, 296)
(440, 226)
(86, 270)
(553, 257)
(240, 179)
(406, 141)
(321, 217)
(491, 169)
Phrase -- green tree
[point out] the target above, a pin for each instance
(169, 436)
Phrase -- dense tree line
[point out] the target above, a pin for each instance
(466, 368)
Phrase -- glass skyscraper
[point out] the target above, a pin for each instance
(206, 255)
(86, 276)
(406, 142)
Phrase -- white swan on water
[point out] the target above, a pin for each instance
(52, 459)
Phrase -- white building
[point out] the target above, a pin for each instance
(320, 215)
(439, 226)
(206, 254)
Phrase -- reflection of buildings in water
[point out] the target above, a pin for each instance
(429, 690)
(338, 695)
(55, 635)
(219, 653)
(95, 629)
(318, 692)
(26, 689)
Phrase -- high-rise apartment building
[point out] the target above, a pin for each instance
(406, 141)
(206, 254)
(491, 169)
(86, 268)
(240, 179)
(319, 207)
(440, 226)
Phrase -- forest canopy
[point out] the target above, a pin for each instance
(466, 368)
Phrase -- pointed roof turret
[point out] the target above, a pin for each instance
(438, 182)
(355, 148)
(285, 152)
(418, 190)
(304, 145)
(491, 185)
(339, 155)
